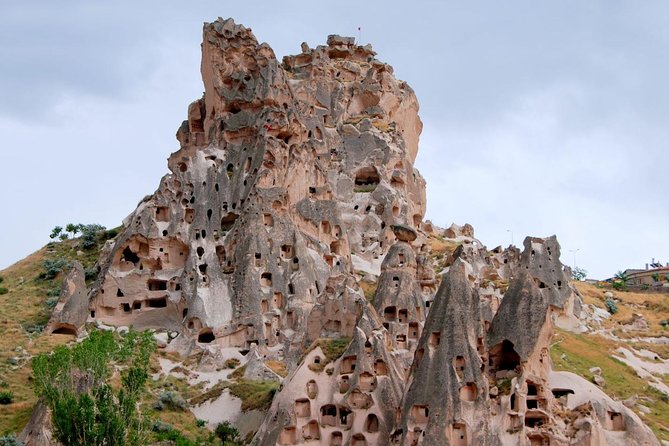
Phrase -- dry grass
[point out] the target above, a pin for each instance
(277, 367)
(369, 289)
(654, 307)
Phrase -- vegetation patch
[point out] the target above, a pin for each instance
(578, 353)
(277, 367)
(255, 395)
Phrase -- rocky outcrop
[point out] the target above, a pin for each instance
(71, 311)
(292, 190)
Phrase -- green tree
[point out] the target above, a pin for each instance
(56, 232)
(73, 229)
(75, 384)
(89, 235)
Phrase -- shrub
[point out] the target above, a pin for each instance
(160, 426)
(91, 273)
(97, 413)
(231, 363)
(10, 440)
(618, 286)
(227, 432)
(171, 400)
(611, 305)
(51, 302)
(89, 235)
(3, 290)
(2, 279)
(53, 267)
(55, 291)
(6, 397)
(200, 423)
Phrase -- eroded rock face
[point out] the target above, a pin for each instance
(285, 171)
(71, 311)
(293, 185)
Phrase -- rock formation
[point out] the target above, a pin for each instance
(294, 184)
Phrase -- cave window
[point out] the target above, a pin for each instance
(162, 213)
(206, 336)
(268, 220)
(119, 293)
(390, 313)
(266, 279)
(157, 285)
(403, 316)
(136, 305)
(228, 221)
(130, 256)
(366, 179)
(504, 357)
(413, 330)
(158, 303)
(126, 307)
(435, 338)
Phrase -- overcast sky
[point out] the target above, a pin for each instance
(538, 119)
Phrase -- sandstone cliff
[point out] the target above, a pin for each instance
(294, 184)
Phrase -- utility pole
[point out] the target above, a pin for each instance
(575, 251)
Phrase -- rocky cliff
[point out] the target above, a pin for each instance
(292, 192)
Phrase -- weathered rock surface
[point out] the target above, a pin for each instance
(293, 186)
(71, 311)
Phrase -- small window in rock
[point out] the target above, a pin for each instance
(206, 336)
(158, 303)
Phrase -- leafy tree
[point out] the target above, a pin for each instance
(75, 383)
(656, 277)
(73, 229)
(228, 434)
(621, 276)
(56, 232)
(579, 273)
(89, 235)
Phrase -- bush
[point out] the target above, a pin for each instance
(3, 290)
(53, 267)
(89, 235)
(227, 432)
(2, 279)
(97, 413)
(6, 397)
(160, 426)
(618, 286)
(611, 305)
(10, 440)
(171, 400)
(91, 273)
(200, 423)
(231, 363)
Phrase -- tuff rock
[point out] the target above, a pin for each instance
(293, 185)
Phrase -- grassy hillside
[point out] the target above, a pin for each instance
(579, 352)
(32, 287)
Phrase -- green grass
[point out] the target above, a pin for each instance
(578, 353)
(255, 395)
